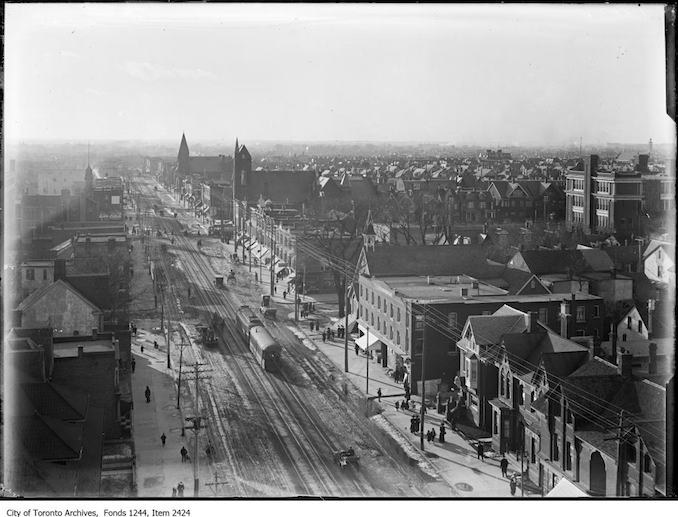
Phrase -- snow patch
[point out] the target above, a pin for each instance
(414, 454)
(302, 337)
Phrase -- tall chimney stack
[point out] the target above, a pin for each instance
(652, 366)
(624, 362)
(643, 161)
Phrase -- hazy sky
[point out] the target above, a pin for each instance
(500, 74)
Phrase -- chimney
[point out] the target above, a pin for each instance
(643, 161)
(613, 341)
(624, 360)
(16, 319)
(59, 269)
(81, 351)
(533, 322)
(652, 366)
(564, 315)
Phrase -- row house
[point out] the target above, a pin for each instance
(555, 403)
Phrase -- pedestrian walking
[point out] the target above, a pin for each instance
(512, 485)
(134, 364)
(174, 491)
(504, 466)
(324, 336)
(184, 454)
(147, 393)
(356, 349)
(433, 434)
(180, 489)
(397, 405)
(481, 451)
(441, 435)
(379, 394)
(155, 345)
(163, 439)
(142, 349)
(275, 289)
(284, 295)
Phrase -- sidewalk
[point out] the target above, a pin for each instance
(455, 461)
(159, 468)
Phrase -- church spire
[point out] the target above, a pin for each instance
(369, 235)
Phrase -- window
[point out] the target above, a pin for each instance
(521, 398)
(533, 450)
(372, 319)
(533, 284)
(531, 396)
(360, 310)
(378, 324)
(555, 453)
(629, 321)
(379, 302)
(496, 422)
(568, 456)
(630, 453)
(30, 274)
(390, 332)
(623, 337)
(452, 320)
(647, 463)
(419, 322)
(640, 326)
(508, 386)
(596, 311)
(660, 271)
(502, 384)
(361, 290)
(372, 297)
(391, 310)
(581, 313)
(398, 337)
(44, 274)
(543, 315)
(398, 314)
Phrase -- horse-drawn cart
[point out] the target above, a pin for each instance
(346, 458)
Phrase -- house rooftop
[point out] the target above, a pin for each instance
(70, 348)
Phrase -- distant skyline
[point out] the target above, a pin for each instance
(487, 75)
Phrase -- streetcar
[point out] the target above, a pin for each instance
(260, 342)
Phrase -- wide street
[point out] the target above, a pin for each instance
(274, 433)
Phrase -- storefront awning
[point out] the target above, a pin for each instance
(363, 344)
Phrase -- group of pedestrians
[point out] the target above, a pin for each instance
(178, 491)
(328, 334)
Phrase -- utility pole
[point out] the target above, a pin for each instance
(272, 258)
(346, 323)
(249, 226)
(622, 439)
(423, 379)
(367, 361)
(197, 422)
(216, 484)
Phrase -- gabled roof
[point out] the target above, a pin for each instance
(426, 260)
(94, 287)
(488, 330)
(55, 401)
(668, 247)
(36, 296)
(206, 164)
(50, 439)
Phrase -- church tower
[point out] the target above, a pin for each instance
(183, 156)
(89, 175)
(242, 167)
(369, 235)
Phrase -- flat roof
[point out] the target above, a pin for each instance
(70, 349)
